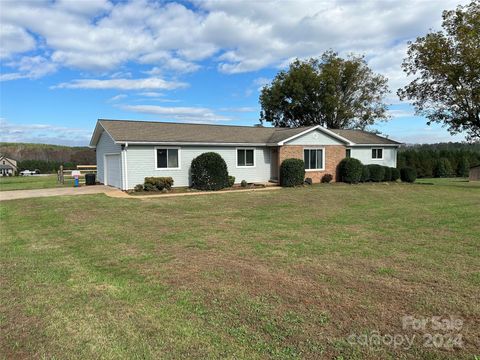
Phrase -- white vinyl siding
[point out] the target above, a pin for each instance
(141, 163)
(364, 154)
(105, 145)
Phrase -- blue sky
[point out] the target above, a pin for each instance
(66, 63)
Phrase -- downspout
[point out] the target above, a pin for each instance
(125, 167)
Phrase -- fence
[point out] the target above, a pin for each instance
(81, 170)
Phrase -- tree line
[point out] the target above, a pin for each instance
(440, 160)
(344, 93)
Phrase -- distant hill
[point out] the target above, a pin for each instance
(48, 153)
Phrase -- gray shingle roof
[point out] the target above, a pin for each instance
(153, 131)
(363, 137)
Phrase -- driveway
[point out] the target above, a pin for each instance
(84, 190)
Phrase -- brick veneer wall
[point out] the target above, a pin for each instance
(333, 154)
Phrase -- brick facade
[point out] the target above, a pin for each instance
(333, 154)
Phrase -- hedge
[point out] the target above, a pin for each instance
(209, 172)
(377, 172)
(157, 183)
(350, 170)
(292, 172)
(395, 174)
(408, 174)
(365, 174)
(388, 174)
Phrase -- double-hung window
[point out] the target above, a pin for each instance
(377, 154)
(168, 158)
(348, 153)
(245, 157)
(313, 159)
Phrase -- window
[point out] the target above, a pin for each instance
(348, 153)
(167, 158)
(313, 159)
(245, 157)
(377, 154)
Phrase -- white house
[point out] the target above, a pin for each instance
(128, 151)
(8, 167)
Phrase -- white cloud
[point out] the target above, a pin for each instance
(30, 67)
(14, 39)
(43, 133)
(242, 109)
(103, 36)
(151, 94)
(122, 84)
(186, 114)
(117, 97)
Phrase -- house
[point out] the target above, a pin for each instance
(474, 174)
(8, 167)
(128, 151)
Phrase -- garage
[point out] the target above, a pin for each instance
(113, 173)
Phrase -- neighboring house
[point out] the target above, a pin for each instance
(129, 151)
(8, 167)
(474, 173)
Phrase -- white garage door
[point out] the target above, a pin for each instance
(113, 173)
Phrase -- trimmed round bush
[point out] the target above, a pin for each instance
(138, 188)
(395, 174)
(365, 174)
(231, 180)
(209, 172)
(388, 174)
(350, 170)
(292, 172)
(408, 174)
(327, 178)
(244, 184)
(377, 172)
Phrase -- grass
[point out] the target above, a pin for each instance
(31, 182)
(285, 274)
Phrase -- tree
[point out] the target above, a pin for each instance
(340, 93)
(463, 167)
(447, 88)
(443, 168)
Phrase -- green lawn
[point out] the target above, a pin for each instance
(31, 182)
(280, 274)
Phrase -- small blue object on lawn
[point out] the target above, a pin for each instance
(75, 182)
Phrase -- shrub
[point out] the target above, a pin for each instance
(308, 181)
(209, 172)
(138, 188)
(149, 187)
(377, 172)
(244, 184)
(159, 183)
(395, 174)
(408, 174)
(292, 172)
(365, 174)
(442, 168)
(327, 178)
(231, 181)
(350, 170)
(388, 174)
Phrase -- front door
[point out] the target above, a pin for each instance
(274, 164)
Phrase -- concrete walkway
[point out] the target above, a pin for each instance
(84, 190)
